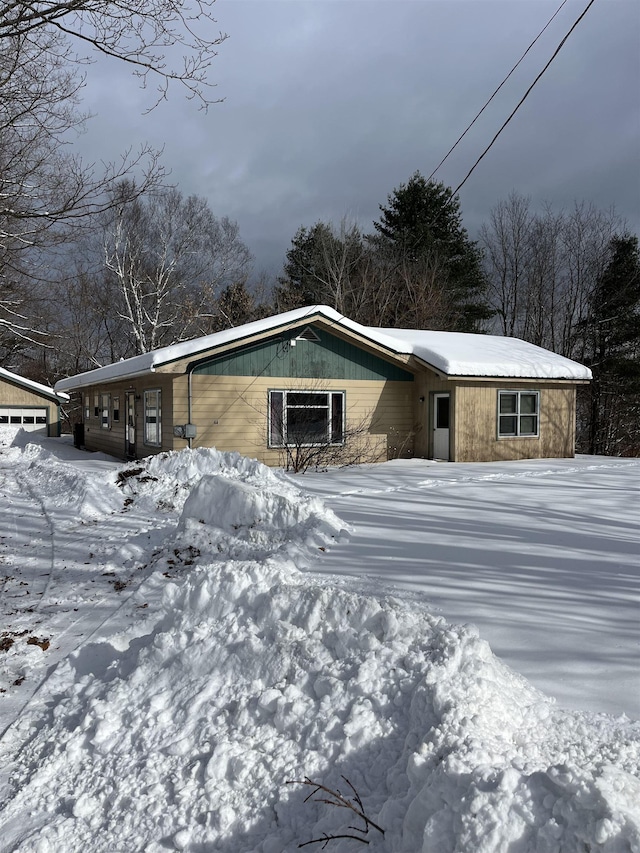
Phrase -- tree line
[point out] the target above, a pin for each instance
(101, 265)
(156, 267)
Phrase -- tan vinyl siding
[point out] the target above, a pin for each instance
(112, 440)
(12, 395)
(230, 413)
(476, 429)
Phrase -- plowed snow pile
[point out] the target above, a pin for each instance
(243, 674)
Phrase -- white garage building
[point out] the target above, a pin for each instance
(30, 405)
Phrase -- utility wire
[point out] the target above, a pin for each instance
(524, 97)
(462, 136)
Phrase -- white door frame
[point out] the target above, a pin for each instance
(130, 424)
(441, 420)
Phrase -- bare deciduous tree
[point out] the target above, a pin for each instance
(169, 40)
(46, 192)
(542, 268)
(168, 259)
(507, 243)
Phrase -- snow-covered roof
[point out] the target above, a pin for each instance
(462, 354)
(450, 353)
(30, 385)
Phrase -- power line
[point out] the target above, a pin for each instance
(462, 136)
(524, 97)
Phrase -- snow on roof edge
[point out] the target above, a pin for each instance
(32, 385)
(140, 364)
(513, 358)
(466, 355)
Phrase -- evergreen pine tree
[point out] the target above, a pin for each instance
(322, 267)
(612, 336)
(421, 227)
(303, 280)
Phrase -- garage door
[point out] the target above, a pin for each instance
(30, 419)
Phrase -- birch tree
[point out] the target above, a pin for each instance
(47, 191)
(167, 260)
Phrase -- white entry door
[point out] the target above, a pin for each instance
(441, 411)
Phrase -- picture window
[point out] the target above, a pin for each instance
(306, 418)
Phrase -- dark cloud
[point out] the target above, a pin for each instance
(330, 104)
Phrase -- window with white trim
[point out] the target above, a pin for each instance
(518, 414)
(105, 406)
(87, 408)
(152, 417)
(306, 418)
(116, 408)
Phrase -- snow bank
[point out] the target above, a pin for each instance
(184, 731)
(54, 484)
(246, 521)
(168, 478)
(11, 434)
(254, 677)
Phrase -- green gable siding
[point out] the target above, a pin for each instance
(327, 358)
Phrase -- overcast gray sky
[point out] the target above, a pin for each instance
(330, 104)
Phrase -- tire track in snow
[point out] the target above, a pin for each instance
(37, 499)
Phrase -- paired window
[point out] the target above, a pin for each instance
(152, 417)
(518, 413)
(306, 418)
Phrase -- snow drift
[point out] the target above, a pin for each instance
(244, 674)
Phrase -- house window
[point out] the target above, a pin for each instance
(518, 414)
(152, 418)
(105, 406)
(87, 407)
(306, 418)
(116, 408)
(96, 405)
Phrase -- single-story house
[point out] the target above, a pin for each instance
(30, 405)
(313, 377)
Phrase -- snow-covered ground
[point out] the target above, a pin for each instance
(182, 638)
(542, 555)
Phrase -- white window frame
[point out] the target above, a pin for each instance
(105, 411)
(284, 400)
(518, 415)
(153, 431)
(87, 407)
(116, 408)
